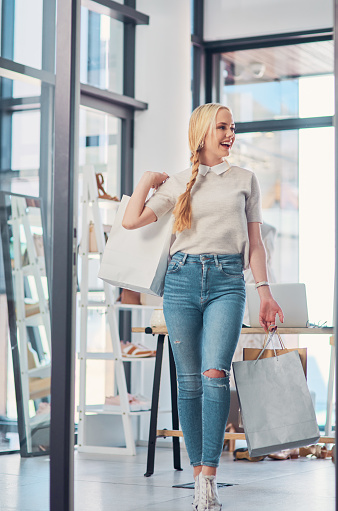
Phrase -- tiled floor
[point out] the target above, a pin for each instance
(118, 483)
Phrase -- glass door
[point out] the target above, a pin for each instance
(282, 100)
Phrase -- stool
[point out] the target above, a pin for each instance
(154, 408)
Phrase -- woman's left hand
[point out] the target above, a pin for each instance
(267, 313)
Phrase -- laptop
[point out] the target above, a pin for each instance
(290, 297)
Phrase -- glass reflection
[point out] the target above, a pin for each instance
(29, 318)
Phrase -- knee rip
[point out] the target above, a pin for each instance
(216, 373)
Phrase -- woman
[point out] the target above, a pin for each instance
(217, 225)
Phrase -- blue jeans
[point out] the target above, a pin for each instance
(203, 305)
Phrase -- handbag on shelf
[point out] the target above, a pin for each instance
(252, 353)
(137, 259)
(275, 402)
(130, 297)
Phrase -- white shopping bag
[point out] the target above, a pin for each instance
(137, 259)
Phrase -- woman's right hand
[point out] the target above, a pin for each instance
(157, 178)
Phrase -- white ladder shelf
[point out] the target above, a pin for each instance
(23, 218)
(91, 212)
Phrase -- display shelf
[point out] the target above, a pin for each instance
(34, 320)
(106, 411)
(97, 304)
(104, 355)
(29, 269)
(28, 280)
(102, 300)
(44, 371)
(246, 330)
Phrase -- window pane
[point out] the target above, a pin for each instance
(28, 32)
(280, 82)
(274, 159)
(26, 141)
(101, 63)
(24, 89)
(22, 33)
(100, 144)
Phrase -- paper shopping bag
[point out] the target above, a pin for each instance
(137, 259)
(275, 402)
(252, 354)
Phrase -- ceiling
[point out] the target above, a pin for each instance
(278, 63)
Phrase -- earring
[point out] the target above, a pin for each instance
(200, 146)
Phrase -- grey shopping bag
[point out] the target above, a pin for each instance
(137, 259)
(275, 402)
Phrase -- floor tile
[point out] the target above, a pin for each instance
(118, 482)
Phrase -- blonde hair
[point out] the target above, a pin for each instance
(202, 118)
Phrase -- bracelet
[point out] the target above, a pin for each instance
(263, 283)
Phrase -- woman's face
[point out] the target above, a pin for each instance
(218, 142)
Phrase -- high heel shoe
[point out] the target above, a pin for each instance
(285, 454)
(243, 454)
(316, 451)
(101, 191)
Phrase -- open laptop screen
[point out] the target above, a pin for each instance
(290, 297)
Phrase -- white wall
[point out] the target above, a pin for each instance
(163, 81)
(225, 19)
(161, 133)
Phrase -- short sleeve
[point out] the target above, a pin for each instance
(253, 206)
(164, 199)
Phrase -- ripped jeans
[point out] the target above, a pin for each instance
(203, 305)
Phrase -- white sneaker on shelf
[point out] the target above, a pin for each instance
(143, 402)
(197, 492)
(208, 500)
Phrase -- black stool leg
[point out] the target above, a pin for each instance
(174, 410)
(154, 407)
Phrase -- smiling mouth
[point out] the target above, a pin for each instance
(226, 144)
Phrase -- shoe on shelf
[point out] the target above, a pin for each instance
(131, 350)
(142, 402)
(101, 191)
(243, 454)
(208, 494)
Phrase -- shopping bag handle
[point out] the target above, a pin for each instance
(273, 329)
(272, 332)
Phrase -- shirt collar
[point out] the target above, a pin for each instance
(217, 169)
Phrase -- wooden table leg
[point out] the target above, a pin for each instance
(154, 407)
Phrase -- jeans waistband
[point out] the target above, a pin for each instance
(183, 258)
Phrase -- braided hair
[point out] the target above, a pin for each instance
(201, 120)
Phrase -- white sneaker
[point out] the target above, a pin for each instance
(197, 492)
(208, 500)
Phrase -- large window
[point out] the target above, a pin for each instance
(26, 168)
(282, 99)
